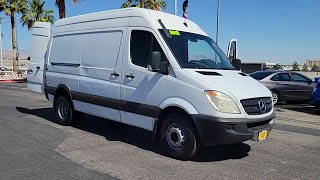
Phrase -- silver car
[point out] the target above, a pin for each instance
(285, 85)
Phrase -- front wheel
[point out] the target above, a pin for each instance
(178, 137)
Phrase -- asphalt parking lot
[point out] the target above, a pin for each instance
(33, 146)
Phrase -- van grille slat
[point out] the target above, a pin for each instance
(251, 106)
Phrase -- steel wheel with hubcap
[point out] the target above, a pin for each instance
(64, 111)
(178, 136)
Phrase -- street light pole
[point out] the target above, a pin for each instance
(218, 16)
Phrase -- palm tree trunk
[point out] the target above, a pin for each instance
(14, 43)
(62, 8)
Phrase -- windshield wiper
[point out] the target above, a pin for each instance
(164, 29)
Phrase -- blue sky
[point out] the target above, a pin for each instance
(284, 30)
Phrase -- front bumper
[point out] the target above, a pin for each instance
(218, 131)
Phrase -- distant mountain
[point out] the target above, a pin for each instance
(23, 53)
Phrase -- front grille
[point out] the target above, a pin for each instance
(251, 106)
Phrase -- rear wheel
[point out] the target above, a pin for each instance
(275, 97)
(178, 137)
(65, 113)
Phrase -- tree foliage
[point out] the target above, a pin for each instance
(277, 67)
(36, 12)
(315, 68)
(295, 66)
(305, 67)
(148, 4)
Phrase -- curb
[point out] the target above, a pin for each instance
(13, 80)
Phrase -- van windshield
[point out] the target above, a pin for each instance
(195, 51)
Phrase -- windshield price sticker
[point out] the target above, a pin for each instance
(174, 33)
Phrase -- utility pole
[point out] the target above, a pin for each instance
(218, 16)
(175, 7)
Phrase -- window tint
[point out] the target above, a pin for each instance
(261, 75)
(275, 78)
(141, 46)
(299, 78)
(284, 77)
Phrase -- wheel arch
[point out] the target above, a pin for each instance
(175, 105)
(62, 89)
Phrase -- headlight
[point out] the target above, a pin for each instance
(222, 102)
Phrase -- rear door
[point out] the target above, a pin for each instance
(304, 87)
(285, 85)
(40, 39)
(142, 91)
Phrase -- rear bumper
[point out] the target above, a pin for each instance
(218, 131)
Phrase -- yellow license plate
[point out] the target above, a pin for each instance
(263, 135)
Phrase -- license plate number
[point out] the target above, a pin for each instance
(262, 135)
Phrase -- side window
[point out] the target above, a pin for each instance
(141, 45)
(284, 77)
(275, 78)
(299, 78)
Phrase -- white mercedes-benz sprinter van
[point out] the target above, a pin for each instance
(151, 70)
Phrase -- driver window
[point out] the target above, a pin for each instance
(141, 45)
(200, 52)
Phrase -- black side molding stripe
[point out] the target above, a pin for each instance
(65, 64)
(127, 106)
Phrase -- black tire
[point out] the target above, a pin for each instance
(275, 94)
(190, 145)
(68, 116)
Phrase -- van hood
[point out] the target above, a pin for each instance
(234, 83)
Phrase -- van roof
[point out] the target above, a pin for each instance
(144, 17)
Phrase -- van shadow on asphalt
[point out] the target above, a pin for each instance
(114, 131)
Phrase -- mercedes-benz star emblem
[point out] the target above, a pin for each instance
(262, 106)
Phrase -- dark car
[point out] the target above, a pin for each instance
(285, 85)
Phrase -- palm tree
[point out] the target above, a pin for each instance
(149, 4)
(12, 7)
(35, 12)
(157, 5)
(62, 7)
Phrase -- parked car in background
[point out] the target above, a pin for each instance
(315, 95)
(285, 85)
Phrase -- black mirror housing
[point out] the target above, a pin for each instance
(155, 61)
(156, 65)
(236, 63)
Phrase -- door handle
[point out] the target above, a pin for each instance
(38, 67)
(115, 74)
(130, 76)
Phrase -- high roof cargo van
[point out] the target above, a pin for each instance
(151, 70)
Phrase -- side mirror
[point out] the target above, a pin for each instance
(155, 61)
(236, 63)
(156, 65)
